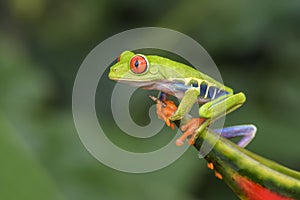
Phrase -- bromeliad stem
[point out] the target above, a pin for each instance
(249, 175)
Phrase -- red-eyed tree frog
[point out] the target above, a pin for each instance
(152, 72)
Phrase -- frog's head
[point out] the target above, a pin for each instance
(135, 68)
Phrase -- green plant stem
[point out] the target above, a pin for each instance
(239, 166)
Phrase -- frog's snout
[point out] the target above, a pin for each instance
(113, 72)
(113, 69)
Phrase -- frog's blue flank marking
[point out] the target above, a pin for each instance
(214, 92)
(195, 84)
(203, 88)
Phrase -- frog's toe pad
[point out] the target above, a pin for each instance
(218, 175)
(210, 166)
(179, 142)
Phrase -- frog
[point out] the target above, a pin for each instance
(189, 86)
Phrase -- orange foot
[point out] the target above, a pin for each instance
(189, 131)
(165, 109)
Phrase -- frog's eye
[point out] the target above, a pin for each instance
(119, 58)
(138, 64)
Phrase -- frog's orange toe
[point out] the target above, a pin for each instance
(210, 166)
(164, 110)
(172, 126)
(191, 141)
(218, 175)
(179, 142)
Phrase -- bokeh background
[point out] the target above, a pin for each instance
(255, 44)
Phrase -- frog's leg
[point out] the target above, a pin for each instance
(246, 131)
(168, 111)
(218, 108)
(189, 99)
(209, 112)
(186, 104)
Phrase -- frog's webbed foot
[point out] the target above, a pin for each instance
(165, 109)
(189, 129)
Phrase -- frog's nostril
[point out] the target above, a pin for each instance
(114, 69)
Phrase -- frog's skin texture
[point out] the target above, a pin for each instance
(152, 72)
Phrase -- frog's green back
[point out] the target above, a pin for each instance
(172, 69)
(158, 69)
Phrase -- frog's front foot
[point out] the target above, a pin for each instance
(189, 129)
(164, 110)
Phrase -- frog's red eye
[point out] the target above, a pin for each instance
(138, 64)
(119, 58)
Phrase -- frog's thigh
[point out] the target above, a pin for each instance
(222, 105)
(186, 104)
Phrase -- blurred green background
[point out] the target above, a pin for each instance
(255, 44)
